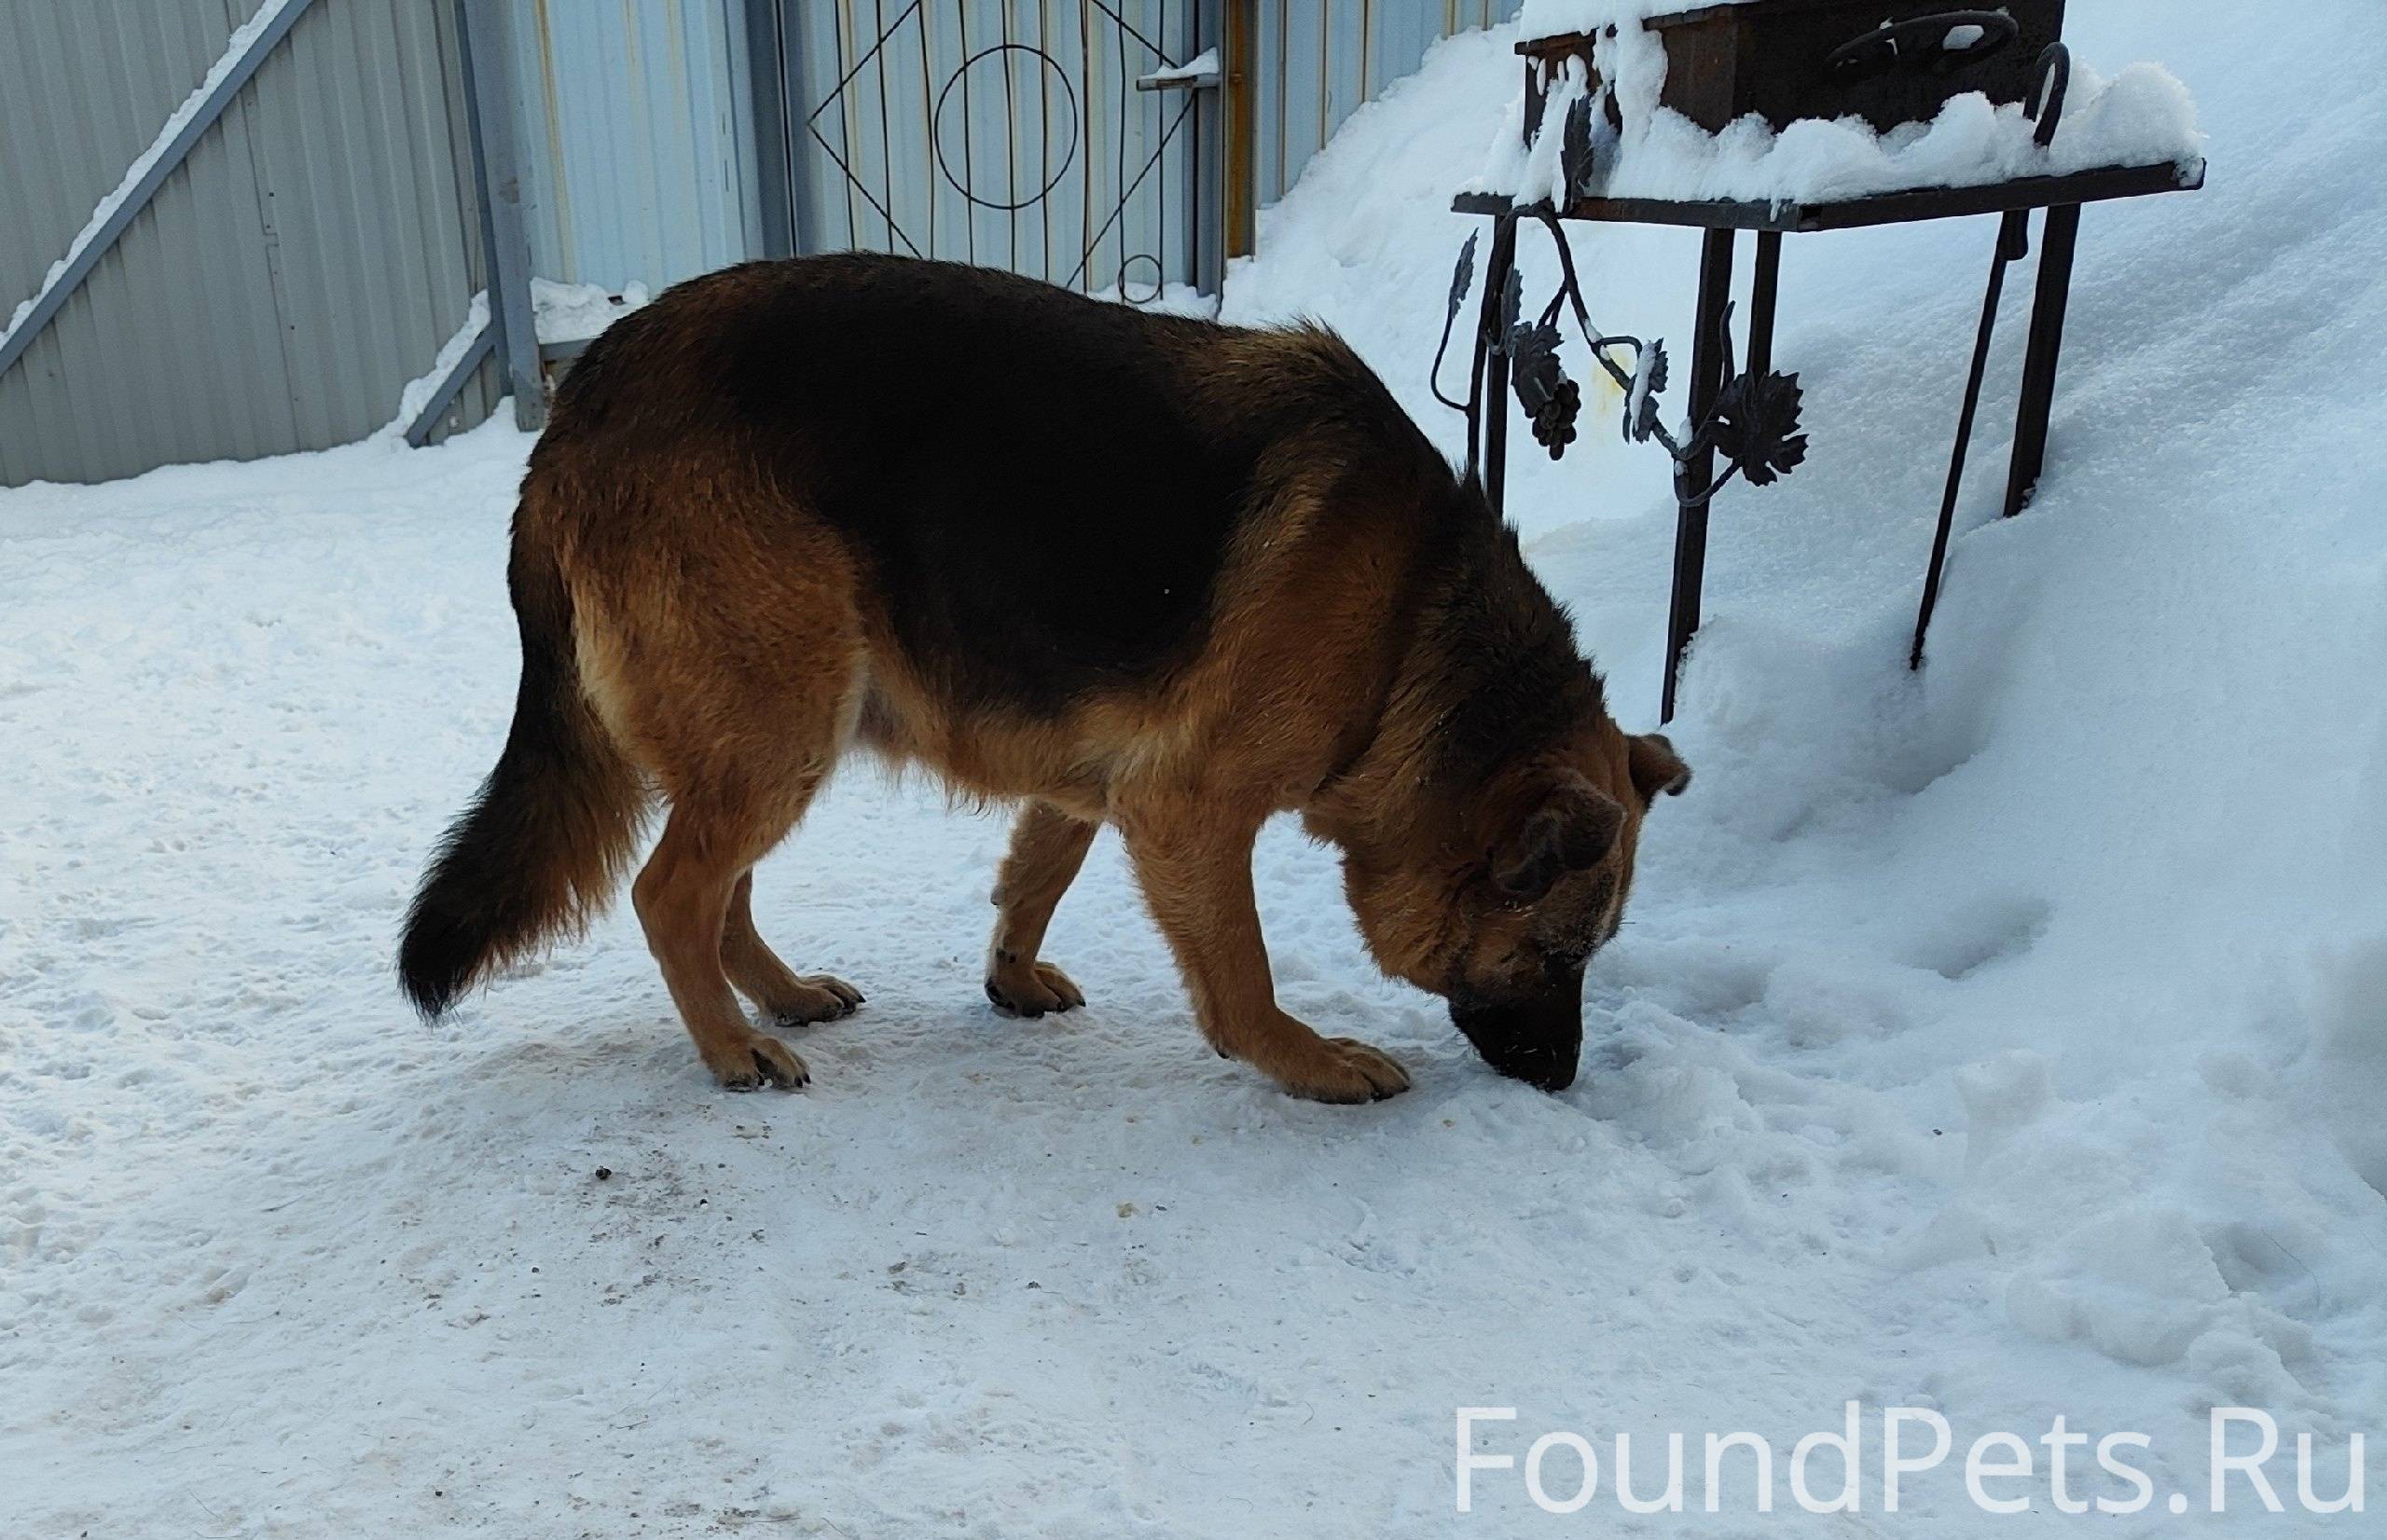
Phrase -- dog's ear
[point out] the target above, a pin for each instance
(1657, 768)
(1571, 828)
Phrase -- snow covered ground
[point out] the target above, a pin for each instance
(2009, 1041)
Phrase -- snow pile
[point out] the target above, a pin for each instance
(576, 312)
(1561, 18)
(2095, 895)
(2005, 1039)
(2143, 116)
(560, 312)
(419, 390)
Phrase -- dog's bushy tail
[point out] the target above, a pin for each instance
(542, 846)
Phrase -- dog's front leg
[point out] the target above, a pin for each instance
(1196, 874)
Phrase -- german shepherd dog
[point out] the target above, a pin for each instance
(1115, 567)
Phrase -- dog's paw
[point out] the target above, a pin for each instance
(817, 997)
(1345, 1071)
(755, 1061)
(1031, 989)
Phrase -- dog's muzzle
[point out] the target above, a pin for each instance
(1537, 1039)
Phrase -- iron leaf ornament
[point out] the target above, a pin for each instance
(1756, 426)
(1641, 403)
(1462, 280)
(1577, 161)
(1754, 423)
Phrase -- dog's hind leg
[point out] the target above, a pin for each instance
(1047, 848)
(720, 640)
(734, 795)
(684, 898)
(784, 997)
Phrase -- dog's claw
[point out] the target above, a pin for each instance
(759, 1062)
(820, 999)
(1032, 990)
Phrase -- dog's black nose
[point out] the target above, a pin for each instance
(1536, 1042)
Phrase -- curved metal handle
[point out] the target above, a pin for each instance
(1886, 47)
(2054, 83)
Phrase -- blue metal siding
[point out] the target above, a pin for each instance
(636, 153)
(308, 258)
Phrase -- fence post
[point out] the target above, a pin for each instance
(804, 215)
(1240, 72)
(489, 111)
(1208, 226)
(767, 94)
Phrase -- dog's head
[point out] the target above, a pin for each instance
(1532, 879)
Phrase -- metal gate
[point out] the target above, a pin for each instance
(1075, 141)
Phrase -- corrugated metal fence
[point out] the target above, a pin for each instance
(637, 150)
(323, 239)
(308, 258)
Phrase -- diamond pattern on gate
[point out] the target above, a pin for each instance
(914, 15)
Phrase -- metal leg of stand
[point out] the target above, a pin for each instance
(1690, 523)
(2057, 244)
(1496, 404)
(1496, 276)
(1764, 291)
(2013, 244)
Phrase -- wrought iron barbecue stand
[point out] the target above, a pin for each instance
(1752, 417)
